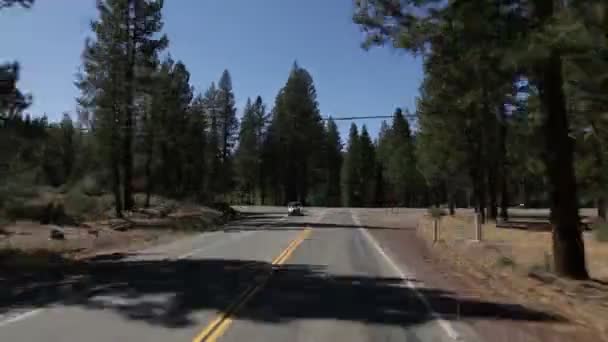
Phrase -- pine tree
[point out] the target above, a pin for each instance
(9, 3)
(368, 168)
(68, 145)
(213, 150)
(333, 150)
(296, 136)
(228, 128)
(465, 42)
(194, 145)
(247, 153)
(351, 168)
(125, 42)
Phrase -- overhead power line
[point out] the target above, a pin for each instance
(350, 118)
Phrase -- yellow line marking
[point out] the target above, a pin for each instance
(220, 324)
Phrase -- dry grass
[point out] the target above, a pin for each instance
(517, 263)
(98, 235)
(28, 237)
(528, 249)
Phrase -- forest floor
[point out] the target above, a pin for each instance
(27, 240)
(517, 263)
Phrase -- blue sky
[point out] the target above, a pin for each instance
(257, 40)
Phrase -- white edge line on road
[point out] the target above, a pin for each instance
(21, 316)
(445, 325)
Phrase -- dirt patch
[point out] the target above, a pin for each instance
(138, 229)
(30, 236)
(517, 264)
(518, 312)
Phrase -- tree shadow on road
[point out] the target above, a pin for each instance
(170, 292)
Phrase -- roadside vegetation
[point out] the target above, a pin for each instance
(507, 114)
(512, 103)
(518, 263)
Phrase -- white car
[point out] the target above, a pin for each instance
(294, 208)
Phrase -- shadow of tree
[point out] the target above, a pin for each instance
(169, 292)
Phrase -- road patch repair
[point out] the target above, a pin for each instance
(217, 327)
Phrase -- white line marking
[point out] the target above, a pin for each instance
(21, 316)
(445, 325)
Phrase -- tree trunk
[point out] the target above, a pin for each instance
(481, 201)
(128, 129)
(116, 189)
(568, 246)
(479, 192)
(452, 205)
(600, 198)
(149, 181)
(115, 167)
(493, 196)
(504, 198)
(504, 176)
(601, 207)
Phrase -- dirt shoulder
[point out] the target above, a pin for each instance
(500, 303)
(30, 242)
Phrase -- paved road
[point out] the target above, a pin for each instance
(318, 277)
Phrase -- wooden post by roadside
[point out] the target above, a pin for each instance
(435, 230)
(477, 223)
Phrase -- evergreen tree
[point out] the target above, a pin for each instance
(195, 141)
(213, 151)
(9, 3)
(247, 156)
(351, 168)
(296, 138)
(68, 145)
(367, 172)
(465, 41)
(333, 150)
(228, 126)
(125, 42)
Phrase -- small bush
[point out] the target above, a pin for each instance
(227, 211)
(18, 189)
(504, 261)
(79, 205)
(18, 208)
(89, 186)
(435, 212)
(600, 230)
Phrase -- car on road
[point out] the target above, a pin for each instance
(294, 209)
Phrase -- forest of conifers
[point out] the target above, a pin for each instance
(511, 110)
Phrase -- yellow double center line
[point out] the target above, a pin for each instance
(220, 324)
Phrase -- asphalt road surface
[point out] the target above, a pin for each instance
(268, 277)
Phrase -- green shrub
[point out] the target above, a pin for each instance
(435, 212)
(80, 206)
(600, 230)
(19, 208)
(227, 211)
(89, 185)
(15, 190)
(504, 261)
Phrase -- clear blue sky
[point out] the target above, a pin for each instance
(257, 40)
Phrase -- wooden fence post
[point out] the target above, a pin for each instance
(478, 235)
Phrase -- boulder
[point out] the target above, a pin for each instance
(57, 233)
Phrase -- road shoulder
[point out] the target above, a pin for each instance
(492, 316)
